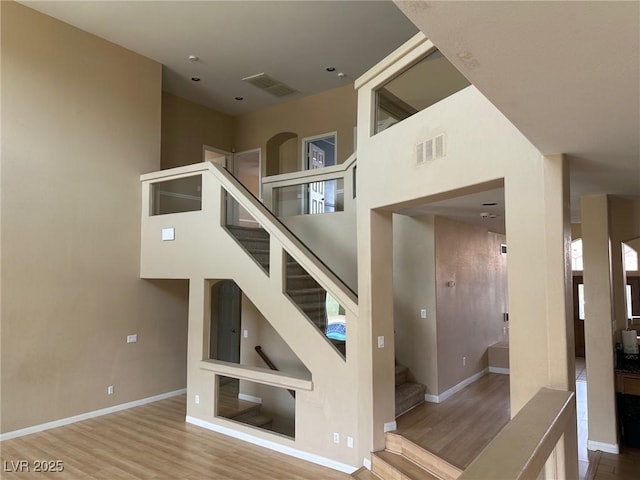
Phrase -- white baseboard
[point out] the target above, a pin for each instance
(85, 416)
(604, 447)
(249, 398)
(366, 463)
(390, 426)
(278, 447)
(503, 371)
(456, 388)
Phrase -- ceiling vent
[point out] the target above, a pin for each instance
(270, 85)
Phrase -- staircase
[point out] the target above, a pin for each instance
(404, 460)
(255, 241)
(408, 394)
(301, 287)
(244, 411)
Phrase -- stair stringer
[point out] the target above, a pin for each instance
(203, 250)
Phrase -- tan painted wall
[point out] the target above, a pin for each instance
(469, 314)
(477, 153)
(414, 287)
(187, 126)
(332, 237)
(334, 110)
(462, 320)
(77, 132)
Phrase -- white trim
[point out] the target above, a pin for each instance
(366, 463)
(249, 398)
(500, 370)
(456, 388)
(390, 426)
(604, 447)
(261, 442)
(85, 416)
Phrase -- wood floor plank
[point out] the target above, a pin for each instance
(458, 429)
(153, 442)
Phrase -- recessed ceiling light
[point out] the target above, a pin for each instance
(489, 204)
(193, 58)
(330, 69)
(195, 79)
(239, 98)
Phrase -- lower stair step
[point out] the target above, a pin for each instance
(388, 465)
(408, 395)
(254, 418)
(364, 474)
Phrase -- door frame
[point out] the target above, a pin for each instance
(305, 157)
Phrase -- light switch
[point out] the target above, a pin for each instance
(168, 234)
(132, 338)
(381, 341)
(245, 333)
(423, 313)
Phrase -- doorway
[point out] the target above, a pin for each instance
(224, 343)
(578, 315)
(319, 152)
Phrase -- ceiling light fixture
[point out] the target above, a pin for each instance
(330, 69)
(489, 204)
(341, 75)
(194, 58)
(195, 79)
(239, 98)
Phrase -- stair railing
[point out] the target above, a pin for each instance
(294, 246)
(271, 365)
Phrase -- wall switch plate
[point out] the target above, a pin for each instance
(132, 338)
(464, 361)
(336, 438)
(245, 333)
(197, 399)
(381, 341)
(110, 390)
(350, 442)
(168, 234)
(423, 313)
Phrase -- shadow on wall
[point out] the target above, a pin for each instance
(282, 154)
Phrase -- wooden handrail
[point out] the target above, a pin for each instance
(271, 365)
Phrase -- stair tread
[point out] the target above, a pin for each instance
(407, 388)
(255, 418)
(438, 466)
(406, 467)
(365, 474)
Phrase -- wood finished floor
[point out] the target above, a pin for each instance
(459, 428)
(152, 442)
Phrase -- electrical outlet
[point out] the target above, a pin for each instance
(110, 390)
(197, 399)
(132, 338)
(336, 438)
(464, 361)
(350, 442)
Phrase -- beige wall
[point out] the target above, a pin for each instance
(334, 110)
(462, 321)
(469, 314)
(414, 288)
(478, 155)
(187, 126)
(77, 132)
